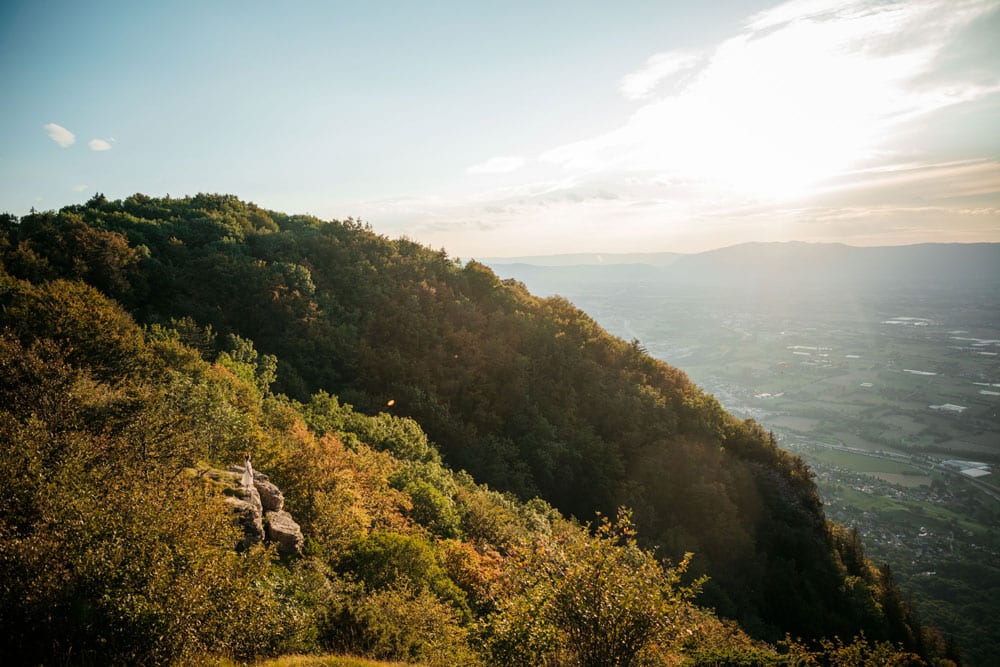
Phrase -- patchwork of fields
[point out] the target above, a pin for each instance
(888, 396)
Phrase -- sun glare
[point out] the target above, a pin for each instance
(773, 112)
(771, 125)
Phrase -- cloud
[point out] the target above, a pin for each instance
(660, 67)
(971, 180)
(817, 120)
(99, 145)
(803, 92)
(503, 164)
(78, 188)
(60, 135)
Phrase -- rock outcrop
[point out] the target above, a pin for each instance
(259, 511)
(284, 532)
(270, 495)
(249, 517)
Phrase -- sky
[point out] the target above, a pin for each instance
(519, 128)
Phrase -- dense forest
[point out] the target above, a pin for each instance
(439, 434)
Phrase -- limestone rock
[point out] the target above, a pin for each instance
(248, 517)
(236, 468)
(253, 497)
(283, 530)
(258, 509)
(271, 497)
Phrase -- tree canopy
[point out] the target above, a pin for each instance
(145, 337)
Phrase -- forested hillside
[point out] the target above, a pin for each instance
(147, 339)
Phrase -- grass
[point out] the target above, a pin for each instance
(315, 661)
(860, 463)
(905, 480)
(912, 512)
(328, 661)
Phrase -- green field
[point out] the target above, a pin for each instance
(909, 513)
(904, 480)
(849, 386)
(860, 463)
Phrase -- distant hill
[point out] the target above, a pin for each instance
(928, 265)
(778, 267)
(587, 259)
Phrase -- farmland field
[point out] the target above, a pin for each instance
(876, 391)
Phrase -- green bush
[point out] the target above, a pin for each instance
(588, 600)
(402, 623)
(384, 560)
(433, 510)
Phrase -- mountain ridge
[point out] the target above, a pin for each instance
(667, 257)
(527, 394)
(786, 267)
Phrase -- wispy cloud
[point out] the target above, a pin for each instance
(60, 135)
(923, 182)
(78, 188)
(498, 165)
(659, 68)
(99, 145)
(812, 122)
(804, 91)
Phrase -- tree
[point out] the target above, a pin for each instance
(598, 600)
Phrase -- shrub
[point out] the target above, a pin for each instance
(588, 599)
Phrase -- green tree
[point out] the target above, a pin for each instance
(385, 559)
(595, 600)
(529, 395)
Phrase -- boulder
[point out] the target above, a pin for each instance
(252, 496)
(248, 517)
(258, 509)
(271, 497)
(282, 530)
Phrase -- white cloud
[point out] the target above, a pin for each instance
(933, 182)
(78, 188)
(807, 90)
(60, 135)
(498, 165)
(660, 67)
(99, 145)
(819, 120)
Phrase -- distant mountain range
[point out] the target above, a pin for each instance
(774, 267)
(590, 259)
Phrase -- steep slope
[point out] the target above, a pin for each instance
(527, 394)
(121, 545)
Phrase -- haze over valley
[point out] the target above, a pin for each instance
(879, 366)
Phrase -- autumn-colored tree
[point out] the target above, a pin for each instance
(262, 330)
